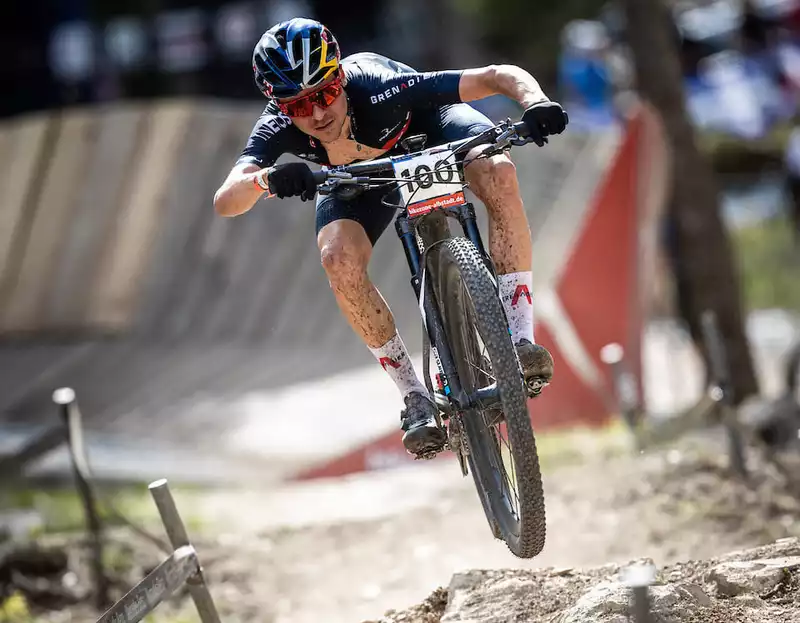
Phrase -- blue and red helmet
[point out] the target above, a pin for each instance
(294, 55)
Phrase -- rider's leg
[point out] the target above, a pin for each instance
(346, 233)
(494, 182)
(345, 251)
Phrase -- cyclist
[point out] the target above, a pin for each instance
(334, 111)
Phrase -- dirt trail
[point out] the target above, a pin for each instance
(345, 552)
(756, 585)
(348, 551)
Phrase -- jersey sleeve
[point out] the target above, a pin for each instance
(420, 89)
(268, 141)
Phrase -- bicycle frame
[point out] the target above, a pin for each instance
(455, 398)
(419, 232)
(408, 228)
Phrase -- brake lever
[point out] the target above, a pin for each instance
(348, 191)
(327, 188)
(519, 142)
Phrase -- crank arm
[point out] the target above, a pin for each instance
(485, 398)
(444, 404)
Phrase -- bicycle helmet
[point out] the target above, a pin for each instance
(294, 55)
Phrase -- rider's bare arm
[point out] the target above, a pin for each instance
(508, 80)
(240, 191)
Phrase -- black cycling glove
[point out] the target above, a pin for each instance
(292, 179)
(544, 119)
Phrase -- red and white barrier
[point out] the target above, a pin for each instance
(592, 291)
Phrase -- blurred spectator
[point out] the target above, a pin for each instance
(704, 30)
(770, 38)
(742, 98)
(585, 83)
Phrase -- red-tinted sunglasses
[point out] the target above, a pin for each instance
(304, 106)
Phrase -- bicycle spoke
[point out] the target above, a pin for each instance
(496, 458)
(509, 483)
(513, 464)
(482, 355)
(509, 486)
(483, 352)
(482, 371)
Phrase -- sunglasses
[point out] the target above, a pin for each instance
(304, 106)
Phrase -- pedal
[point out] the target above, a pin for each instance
(429, 454)
(455, 439)
(535, 385)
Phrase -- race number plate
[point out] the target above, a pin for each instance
(433, 182)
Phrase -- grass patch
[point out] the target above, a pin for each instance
(14, 609)
(61, 510)
(769, 265)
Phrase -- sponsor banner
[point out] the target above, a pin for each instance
(437, 203)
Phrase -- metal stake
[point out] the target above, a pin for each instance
(639, 578)
(71, 415)
(721, 391)
(626, 390)
(178, 537)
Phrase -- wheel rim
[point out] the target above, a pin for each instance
(498, 448)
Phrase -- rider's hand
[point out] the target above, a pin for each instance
(292, 179)
(543, 119)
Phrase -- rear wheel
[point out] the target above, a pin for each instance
(502, 450)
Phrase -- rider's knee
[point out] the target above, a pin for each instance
(497, 171)
(341, 261)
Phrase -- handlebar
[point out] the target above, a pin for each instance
(361, 174)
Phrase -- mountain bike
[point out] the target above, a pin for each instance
(480, 389)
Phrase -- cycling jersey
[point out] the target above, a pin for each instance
(440, 125)
(383, 96)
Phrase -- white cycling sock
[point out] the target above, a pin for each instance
(394, 358)
(516, 294)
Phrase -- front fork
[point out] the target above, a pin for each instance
(465, 214)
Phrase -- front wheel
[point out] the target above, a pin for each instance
(502, 450)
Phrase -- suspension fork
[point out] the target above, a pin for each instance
(431, 314)
(465, 214)
(469, 223)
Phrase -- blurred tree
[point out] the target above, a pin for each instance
(525, 33)
(703, 256)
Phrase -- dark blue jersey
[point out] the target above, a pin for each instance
(383, 97)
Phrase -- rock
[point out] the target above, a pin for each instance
(785, 547)
(749, 601)
(610, 603)
(749, 585)
(696, 593)
(466, 580)
(751, 576)
(473, 601)
(607, 602)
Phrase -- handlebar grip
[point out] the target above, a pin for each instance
(521, 128)
(320, 176)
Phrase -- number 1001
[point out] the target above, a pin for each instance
(442, 173)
